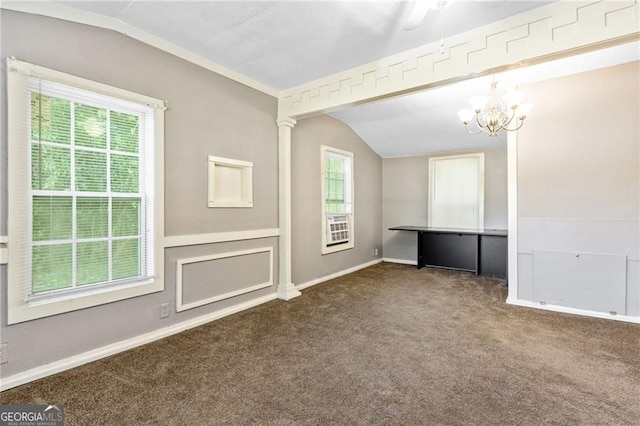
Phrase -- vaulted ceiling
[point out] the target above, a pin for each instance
(286, 43)
(281, 44)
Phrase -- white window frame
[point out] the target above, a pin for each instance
(20, 308)
(479, 156)
(326, 248)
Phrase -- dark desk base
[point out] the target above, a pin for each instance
(481, 252)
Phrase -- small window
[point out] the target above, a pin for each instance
(337, 200)
(83, 173)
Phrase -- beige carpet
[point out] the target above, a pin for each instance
(386, 345)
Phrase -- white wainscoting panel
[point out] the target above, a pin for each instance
(589, 281)
(207, 279)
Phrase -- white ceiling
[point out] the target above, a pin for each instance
(285, 43)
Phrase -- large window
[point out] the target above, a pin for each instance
(83, 183)
(456, 191)
(337, 200)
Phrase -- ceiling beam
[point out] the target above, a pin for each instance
(546, 33)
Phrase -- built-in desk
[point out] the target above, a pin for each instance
(483, 252)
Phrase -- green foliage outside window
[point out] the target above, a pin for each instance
(50, 119)
(124, 132)
(50, 168)
(90, 126)
(334, 185)
(83, 230)
(51, 268)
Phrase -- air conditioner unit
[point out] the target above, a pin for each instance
(338, 229)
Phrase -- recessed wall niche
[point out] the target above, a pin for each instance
(230, 182)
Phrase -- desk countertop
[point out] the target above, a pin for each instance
(493, 232)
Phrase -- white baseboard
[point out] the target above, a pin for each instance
(573, 311)
(115, 348)
(401, 261)
(337, 274)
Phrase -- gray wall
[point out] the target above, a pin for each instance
(579, 187)
(208, 115)
(307, 137)
(404, 198)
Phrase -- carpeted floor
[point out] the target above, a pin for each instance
(386, 345)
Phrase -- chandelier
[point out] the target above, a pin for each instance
(495, 112)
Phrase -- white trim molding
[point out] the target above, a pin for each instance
(573, 311)
(124, 345)
(4, 251)
(219, 237)
(400, 261)
(181, 306)
(552, 31)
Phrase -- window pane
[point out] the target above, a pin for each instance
(50, 168)
(126, 216)
(337, 177)
(124, 132)
(51, 267)
(124, 173)
(91, 171)
(92, 217)
(50, 119)
(126, 259)
(92, 262)
(51, 218)
(339, 190)
(90, 126)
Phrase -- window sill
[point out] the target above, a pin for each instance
(337, 247)
(21, 311)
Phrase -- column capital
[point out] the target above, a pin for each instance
(286, 121)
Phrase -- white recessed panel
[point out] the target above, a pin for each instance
(589, 281)
(230, 182)
(211, 278)
(227, 183)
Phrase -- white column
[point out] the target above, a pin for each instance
(512, 197)
(286, 289)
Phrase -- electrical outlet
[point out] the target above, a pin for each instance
(3, 353)
(375, 251)
(164, 310)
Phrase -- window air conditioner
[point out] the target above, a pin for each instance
(338, 229)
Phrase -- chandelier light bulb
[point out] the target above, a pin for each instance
(478, 102)
(523, 110)
(514, 98)
(466, 115)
